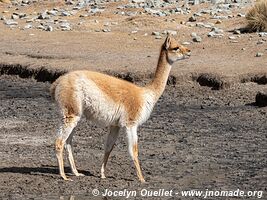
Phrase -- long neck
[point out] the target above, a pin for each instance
(161, 75)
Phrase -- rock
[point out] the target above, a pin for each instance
(232, 37)
(259, 54)
(106, 30)
(261, 42)
(237, 32)
(43, 15)
(11, 23)
(195, 2)
(138, 1)
(218, 22)
(28, 26)
(261, 99)
(65, 13)
(155, 33)
(262, 34)
(200, 24)
(214, 34)
(193, 34)
(243, 49)
(158, 37)
(65, 26)
(171, 32)
(49, 28)
(186, 43)
(217, 30)
(241, 15)
(52, 12)
(29, 20)
(40, 27)
(197, 39)
(14, 16)
(192, 19)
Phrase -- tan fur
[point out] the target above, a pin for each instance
(67, 96)
(162, 72)
(59, 144)
(120, 91)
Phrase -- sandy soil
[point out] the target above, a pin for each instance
(196, 138)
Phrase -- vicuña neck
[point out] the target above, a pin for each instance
(161, 75)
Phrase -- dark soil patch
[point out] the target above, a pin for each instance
(256, 78)
(40, 74)
(211, 80)
(261, 99)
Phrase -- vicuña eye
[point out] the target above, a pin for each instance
(176, 49)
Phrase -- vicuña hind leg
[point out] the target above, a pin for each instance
(110, 142)
(133, 150)
(70, 156)
(69, 123)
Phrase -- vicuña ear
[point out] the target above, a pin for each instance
(167, 42)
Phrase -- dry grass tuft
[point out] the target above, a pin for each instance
(257, 17)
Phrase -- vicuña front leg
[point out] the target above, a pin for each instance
(111, 139)
(65, 131)
(133, 150)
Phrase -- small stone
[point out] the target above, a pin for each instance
(114, 23)
(259, 54)
(241, 15)
(217, 30)
(106, 30)
(40, 27)
(29, 20)
(193, 34)
(158, 37)
(156, 33)
(243, 49)
(197, 39)
(192, 19)
(218, 22)
(237, 32)
(43, 15)
(14, 16)
(262, 34)
(52, 12)
(186, 43)
(11, 23)
(65, 13)
(65, 26)
(200, 24)
(261, 42)
(215, 35)
(232, 37)
(171, 32)
(49, 28)
(28, 26)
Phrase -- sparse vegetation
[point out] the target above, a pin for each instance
(257, 17)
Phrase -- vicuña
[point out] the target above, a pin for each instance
(111, 102)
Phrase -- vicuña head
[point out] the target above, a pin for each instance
(111, 102)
